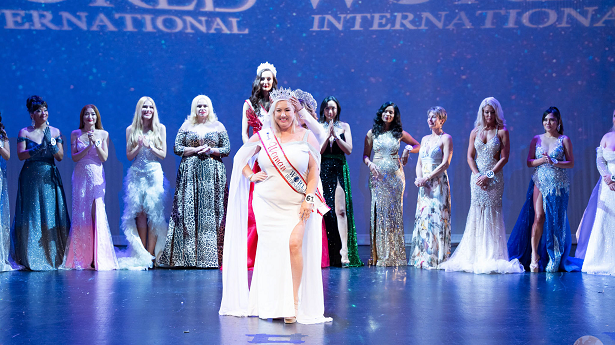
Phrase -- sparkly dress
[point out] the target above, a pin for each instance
(387, 223)
(89, 245)
(196, 228)
(5, 228)
(144, 191)
(483, 246)
(334, 169)
(600, 252)
(41, 223)
(555, 243)
(431, 238)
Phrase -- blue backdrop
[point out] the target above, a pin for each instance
(417, 53)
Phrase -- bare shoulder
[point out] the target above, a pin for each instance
(104, 134)
(566, 139)
(369, 134)
(503, 131)
(129, 130)
(608, 137)
(312, 139)
(24, 132)
(447, 138)
(54, 131)
(254, 138)
(220, 127)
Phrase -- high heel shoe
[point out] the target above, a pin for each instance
(535, 266)
(289, 320)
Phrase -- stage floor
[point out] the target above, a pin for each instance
(369, 305)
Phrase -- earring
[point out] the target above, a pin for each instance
(32, 122)
(558, 127)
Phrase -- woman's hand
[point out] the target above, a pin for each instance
(482, 181)
(296, 104)
(258, 177)
(373, 168)
(91, 138)
(420, 181)
(145, 141)
(205, 150)
(305, 211)
(140, 143)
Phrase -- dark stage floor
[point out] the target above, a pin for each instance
(369, 305)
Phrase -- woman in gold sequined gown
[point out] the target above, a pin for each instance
(483, 246)
(387, 183)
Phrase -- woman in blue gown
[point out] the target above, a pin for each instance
(541, 237)
(41, 223)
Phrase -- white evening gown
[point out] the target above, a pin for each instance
(483, 246)
(600, 253)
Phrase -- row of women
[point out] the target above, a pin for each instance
(293, 167)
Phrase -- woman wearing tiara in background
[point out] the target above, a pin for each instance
(287, 279)
(431, 238)
(41, 222)
(5, 227)
(387, 184)
(144, 187)
(595, 236)
(341, 231)
(541, 236)
(89, 243)
(196, 228)
(254, 111)
(483, 246)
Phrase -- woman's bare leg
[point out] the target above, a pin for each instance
(342, 221)
(537, 226)
(296, 257)
(141, 221)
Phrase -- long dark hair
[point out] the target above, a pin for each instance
(3, 135)
(324, 104)
(98, 124)
(257, 94)
(396, 128)
(558, 116)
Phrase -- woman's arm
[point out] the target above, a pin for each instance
(472, 153)
(103, 149)
(345, 145)
(569, 162)
(131, 152)
(55, 133)
(447, 155)
(161, 153)
(367, 152)
(77, 155)
(224, 144)
(22, 152)
(244, 123)
(504, 152)
(5, 150)
(532, 161)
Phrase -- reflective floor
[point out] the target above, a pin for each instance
(369, 305)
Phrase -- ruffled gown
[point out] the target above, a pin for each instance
(431, 238)
(41, 223)
(196, 228)
(554, 247)
(334, 169)
(90, 244)
(276, 207)
(5, 225)
(144, 191)
(387, 190)
(599, 256)
(483, 246)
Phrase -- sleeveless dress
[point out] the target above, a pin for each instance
(89, 247)
(483, 246)
(144, 191)
(196, 228)
(41, 223)
(334, 169)
(600, 253)
(555, 242)
(387, 190)
(431, 238)
(5, 225)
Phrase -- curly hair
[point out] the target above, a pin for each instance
(3, 135)
(257, 95)
(323, 106)
(557, 115)
(396, 128)
(34, 103)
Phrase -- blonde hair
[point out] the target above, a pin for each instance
(271, 116)
(440, 113)
(137, 125)
(211, 117)
(499, 113)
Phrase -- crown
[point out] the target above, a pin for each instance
(306, 98)
(281, 94)
(265, 66)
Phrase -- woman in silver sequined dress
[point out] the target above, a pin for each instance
(143, 219)
(596, 240)
(541, 238)
(196, 229)
(431, 238)
(483, 246)
(387, 183)
(5, 227)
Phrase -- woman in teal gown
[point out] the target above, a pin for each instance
(41, 224)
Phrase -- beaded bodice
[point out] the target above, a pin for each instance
(486, 154)
(431, 157)
(385, 145)
(548, 178)
(609, 157)
(91, 155)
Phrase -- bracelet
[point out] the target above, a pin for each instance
(613, 178)
(1, 143)
(250, 177)
(97, 143)
(408, 148)
(554, 161)
(310, 198)
(490, 174)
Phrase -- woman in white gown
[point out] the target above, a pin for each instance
(483, 246)
(600, 253)
(5, 226)
(287, 281)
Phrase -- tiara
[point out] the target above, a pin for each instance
(306, 98)
(265, 66)
(281, 94)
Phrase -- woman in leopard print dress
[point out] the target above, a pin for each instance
(196, 228)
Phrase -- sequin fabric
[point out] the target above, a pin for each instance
(600, 253)
(550, 179)
(41, 223)
(387, 190)
(5, 228)
(196, 227)
(485, 160)
(431, 237)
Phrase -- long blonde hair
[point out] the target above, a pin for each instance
(499, 113)
(271, 116)
(137, 125)
(211, 117)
